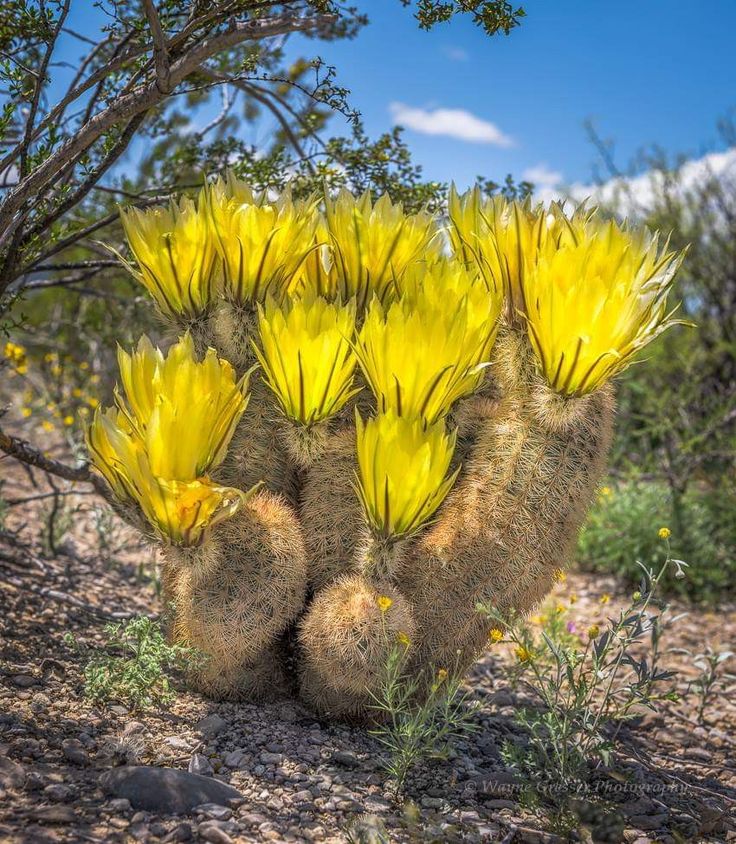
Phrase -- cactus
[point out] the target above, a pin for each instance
(370, 423)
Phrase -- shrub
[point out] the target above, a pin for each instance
(619, 531)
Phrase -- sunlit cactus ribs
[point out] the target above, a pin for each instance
(370, 423)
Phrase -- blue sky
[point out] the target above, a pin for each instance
(661, 71)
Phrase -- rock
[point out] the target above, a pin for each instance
(58, 792)
(119, 804)
(233, 758)
(214, 811)
(200, 764)
(346, 759)
(74, 752)
(178, 743)
(432, 802)
(54, 814)
(12, 775)
(182, 832)
(648, 822)
(165, 790)
(271, 758)
(24, 681)
(210, 831)
(212, 725)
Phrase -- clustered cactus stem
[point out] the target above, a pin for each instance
(370, 422)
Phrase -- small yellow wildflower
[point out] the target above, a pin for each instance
(77, 393)
(495, 635)
(68, 421)
(605, 491)
(93, 402)
(538, 619)
(637, 595)
(403, 639)
(94, 379)
(664, 533)
(84, 365)
(559, 609)
(49, 357)
(56, 370)
(15, 354)
(26, 412)
(384, 603)
(574, 598)
(560, 576)
(48, 426)
(605, 598)
(593, 631)
(523, 654)
(84, 411)
(442, 675)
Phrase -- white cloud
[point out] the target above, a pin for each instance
(634, 195)
(542, 176)
(456, 54)
(450, 122)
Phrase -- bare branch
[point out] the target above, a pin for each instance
(26, 453)
(160, 50)
(142, 99)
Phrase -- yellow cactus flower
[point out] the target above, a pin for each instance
(450, 344)
(175, 398)
(307, 357)
(374, 243)
(171, 399)
(664, 533)
(262, 244)
(175, 252)
(402, 471)
(384, 603)
(502, 237)
(15, 353)
(593, 300)
(496, 635)
(180, 511)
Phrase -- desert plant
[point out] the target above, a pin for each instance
(417, 726)
(618, 532)
(429, 423)
(585, 684)
(134, 665)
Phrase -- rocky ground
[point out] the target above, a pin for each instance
(200, 771)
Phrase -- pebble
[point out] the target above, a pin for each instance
(75, 752)
(212, 725)
(214, 811)
(200, 764)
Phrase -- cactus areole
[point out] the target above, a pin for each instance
(367, 422)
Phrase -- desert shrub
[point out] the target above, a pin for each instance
(135, 665)
(619, 531)
(584, 683)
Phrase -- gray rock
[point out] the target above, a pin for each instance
(271, 758)
(177, 743)
(119, 804)
(212, 725)
(346, 759)
(233, 758)
(215, 832)
(215, 811)
(165, 790)
(432, 802)
(182, 832)
(58, 792)
(12, 775)
(74, 752)
(200, 764)
(648, 822)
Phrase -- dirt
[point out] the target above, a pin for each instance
(301, 779)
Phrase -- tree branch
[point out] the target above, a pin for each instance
(160, 50)
(26, 453)
(142, 99)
